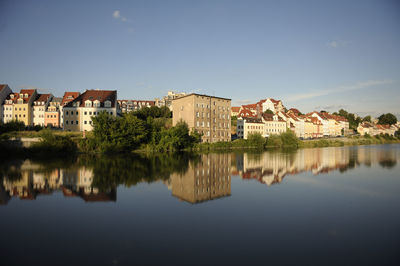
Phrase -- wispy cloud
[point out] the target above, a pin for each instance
(330, 107)
(117, 15)
(337, 43)
(344, 88)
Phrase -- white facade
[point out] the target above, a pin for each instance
(87, 113)
(325, 124)
(7, 111)
(245, 127)
(4, 92)
(273, 106)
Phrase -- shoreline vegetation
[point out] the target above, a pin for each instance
(150, 130)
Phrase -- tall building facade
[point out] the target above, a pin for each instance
(39, 108)
(208, 115)
(5, 91)
(22, 106)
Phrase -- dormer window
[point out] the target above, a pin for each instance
(20, 101)
(26, 95)
(12, 96)
(107, 104)
(88, 103)
(96, 103)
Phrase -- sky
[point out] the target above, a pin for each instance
(313, 55)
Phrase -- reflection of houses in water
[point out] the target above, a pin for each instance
(208, 179)
(78, 183)
(34, 181)
(271, 167)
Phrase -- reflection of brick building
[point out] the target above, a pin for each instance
(208, 179)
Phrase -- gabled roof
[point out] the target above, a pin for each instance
(294, 111)
(42, 97)
(246, 113)
(101, 95)
(69, 96)
(21, 95)
(235, 108)
(250, 106)
(3, 86)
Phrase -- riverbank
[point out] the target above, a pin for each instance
(57, 144)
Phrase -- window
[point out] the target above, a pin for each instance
(66, 122)
(85, 122)
(90, 113)
(76, 112)
(76, 122)
(85, 113)
(66, 112)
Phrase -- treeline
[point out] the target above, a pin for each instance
(354, 120)
(148, 128)
(254, 141)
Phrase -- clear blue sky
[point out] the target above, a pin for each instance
(311, 54)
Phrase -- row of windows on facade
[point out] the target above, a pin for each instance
(220, 179)
(202, 105)
(220, 134)
(97, 104)
(221, 116)
(85, 113)
(198, 191)
(202, 124)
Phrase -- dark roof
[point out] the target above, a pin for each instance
(196, 94)
(42, 97)
(3, 86)
(92, 95)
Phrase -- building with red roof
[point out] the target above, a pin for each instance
(39, 108)
(78, 113)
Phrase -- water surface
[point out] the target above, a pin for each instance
(324, 206)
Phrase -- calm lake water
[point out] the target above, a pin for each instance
(323, 206)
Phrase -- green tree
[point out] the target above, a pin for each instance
(367, 118)
(388, 118)
(268, 111)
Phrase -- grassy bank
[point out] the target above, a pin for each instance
(61, 144)
(349, 141)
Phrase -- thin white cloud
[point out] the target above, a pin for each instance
(344, 88)
(117, 15)
(337, 43)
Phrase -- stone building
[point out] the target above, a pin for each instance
(208, 115)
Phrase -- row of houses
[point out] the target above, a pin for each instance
(374, 129)
(71, 112)
(270, 117)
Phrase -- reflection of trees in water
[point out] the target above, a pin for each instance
(388, 163)
(10, 169)
(130, 170)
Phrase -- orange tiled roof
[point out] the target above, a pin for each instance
(235, 108)
(69, 96)
(246, 113)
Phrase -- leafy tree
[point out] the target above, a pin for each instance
(256, 139)
(268, 111)
(367, 118)
(388, 118)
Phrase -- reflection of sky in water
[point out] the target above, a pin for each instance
(342, 215)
